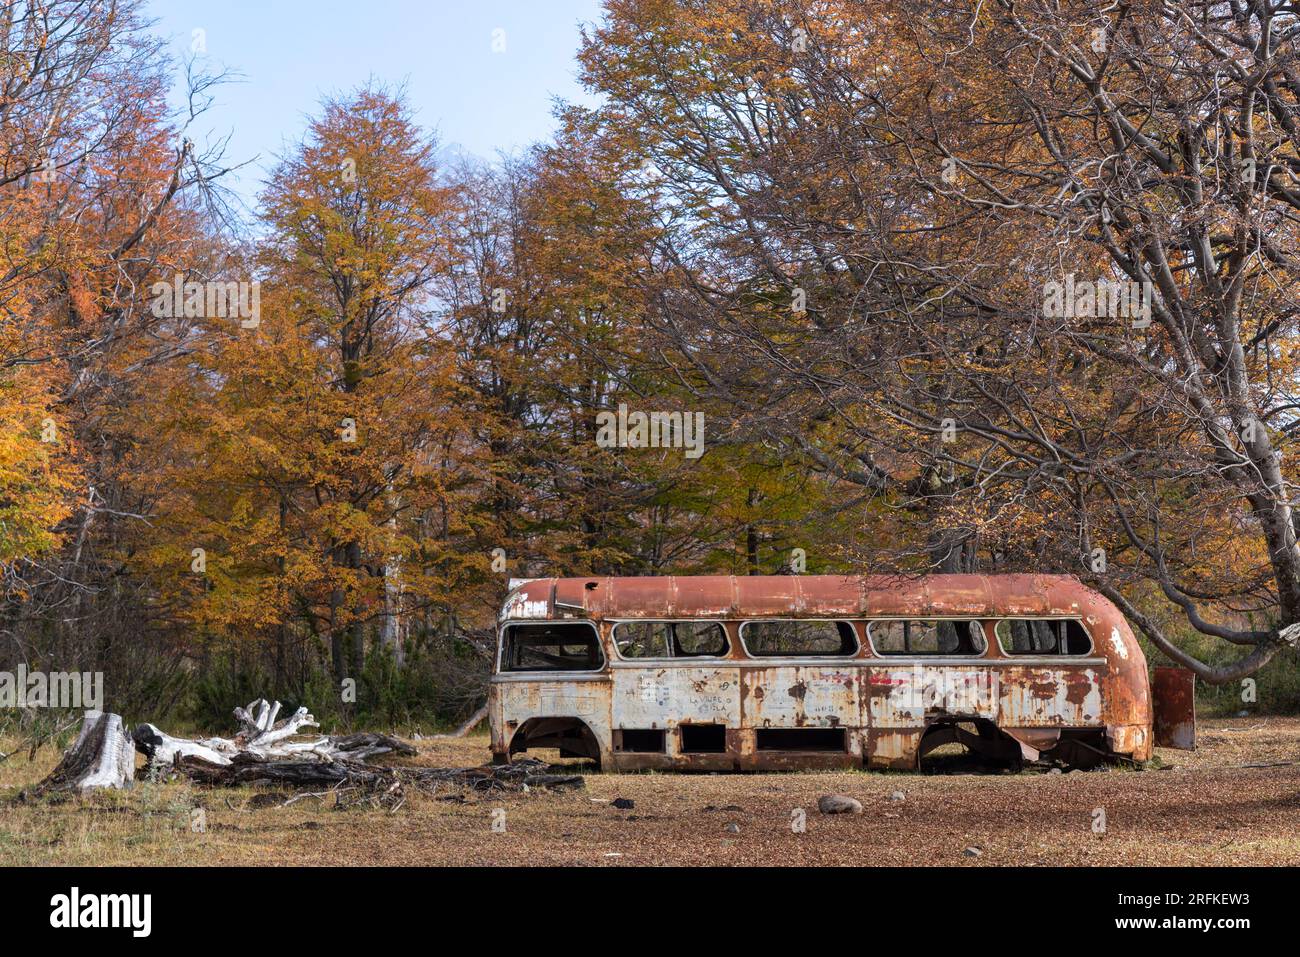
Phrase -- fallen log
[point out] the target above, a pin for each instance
(252, 769)
(261, 736)
(365, 745)
(102, 757)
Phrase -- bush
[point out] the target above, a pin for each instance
(443, 680)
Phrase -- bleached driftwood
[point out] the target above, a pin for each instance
(262, 739)
(161, 749)
(102, 757)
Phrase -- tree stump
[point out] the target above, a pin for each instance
(103, 757)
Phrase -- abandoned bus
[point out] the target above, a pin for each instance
(777, 672)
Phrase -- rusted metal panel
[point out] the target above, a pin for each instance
(1034, 741)
(1173, 691)
(749, 758)
(663, 696)
(889, 699)
(774, 595)
(706, 596)
(1020, 594)
(1063, 595)
(896, 749)
(1131, 740)
(570, 596)
(641, 597)
(958, 597)
(1050, 696)
(723, 596)
(801, 696)
(895, 595)
(532, 600)
(830, 596)
(906, 695)
(588, 700)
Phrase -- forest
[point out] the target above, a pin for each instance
(817, 286)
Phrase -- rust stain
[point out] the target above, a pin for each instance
(1076, 689)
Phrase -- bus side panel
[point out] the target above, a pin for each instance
(901, 699)
(514, 700)
(801, 696)
(1173, 692)
(1035, 697)
(646, 696)
(667, 697)
(500, 736)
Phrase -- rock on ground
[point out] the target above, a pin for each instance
(838, 804)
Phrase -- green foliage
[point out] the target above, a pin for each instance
(442, 681)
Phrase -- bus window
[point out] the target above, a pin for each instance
(795, 637)
(642, 639)
(699, 639)
(670, 639)
(556, 646)
(1042, 636)
(927, 637)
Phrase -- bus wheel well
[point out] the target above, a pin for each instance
(989, 746)
(982, 740)
(571, 736)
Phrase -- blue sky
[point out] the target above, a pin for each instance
(293, 52)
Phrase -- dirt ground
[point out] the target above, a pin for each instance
(1206, 807)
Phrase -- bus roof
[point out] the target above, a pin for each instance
(806, 596)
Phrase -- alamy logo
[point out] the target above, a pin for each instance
(54, 689)
(651, 430)
(954, 690)
(1103, 299)
(213, 300)
(103, 910)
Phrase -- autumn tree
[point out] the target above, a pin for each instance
(101, 191)
(544, 325)
(314, 446)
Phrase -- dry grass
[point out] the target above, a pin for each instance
(1204, 810)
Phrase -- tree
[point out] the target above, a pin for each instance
(305, 449)
(100, 190)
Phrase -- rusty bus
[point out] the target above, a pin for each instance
(805, 671)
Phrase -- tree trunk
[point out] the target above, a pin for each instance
(353, 555)
(390, 634)
(751, 537)
(336, 637)
(103, 757)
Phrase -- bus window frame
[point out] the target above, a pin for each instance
(618, 652)
(982, 655)
(501, 648)
(804, 655)
(1045, 655)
